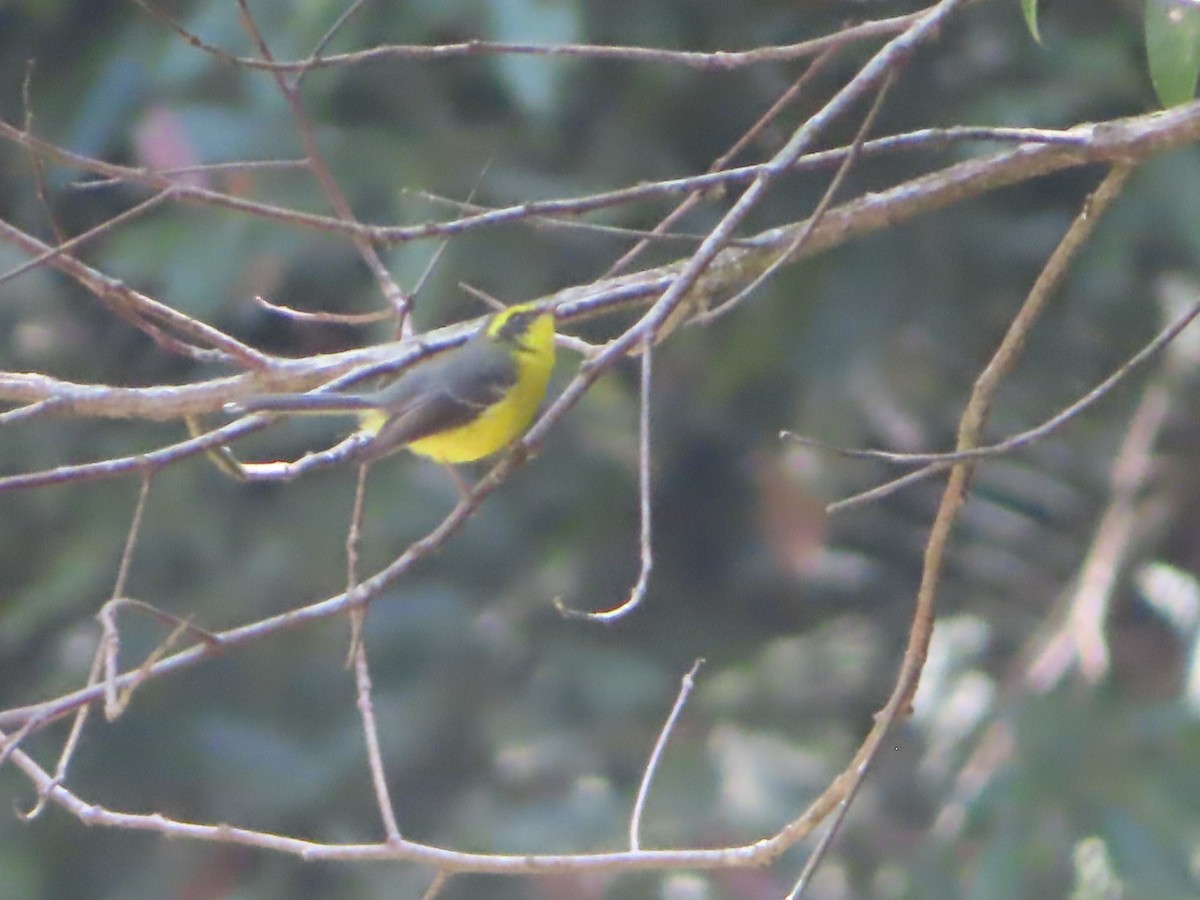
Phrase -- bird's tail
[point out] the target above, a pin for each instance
(327, 404)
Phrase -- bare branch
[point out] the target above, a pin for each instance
(396, 298)
(646, 555)
(719, 60)
(660, 745)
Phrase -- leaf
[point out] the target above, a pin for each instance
(1173, 49)
(1029, 10)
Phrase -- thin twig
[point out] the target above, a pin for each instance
(1046, 151)
(940, 462)
(886, 489)
(365, 591)
(660, 745)
(362, 687)
(806, 230)
(9, 743)
(73, 736)
(440, 880)
(396, 298)
(358, 615)
(591, 369)
(645, 506)
(108, 647)
(117, 701)
(357, 657)
(689, 274)
(139, 308)
(719, 60)
(439, 251)
(570, 222)
(1080, 639)
(35, 160)
(323, 318)
(971, 424)
(720, 163)
(70, 245)
(325, 40)
(450, 861)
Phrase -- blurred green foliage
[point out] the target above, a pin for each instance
(504, 727)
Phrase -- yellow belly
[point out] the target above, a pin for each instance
(497, 425)
(494, 428)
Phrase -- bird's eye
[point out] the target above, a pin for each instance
(516, 323)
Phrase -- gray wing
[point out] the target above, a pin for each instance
(444, 393)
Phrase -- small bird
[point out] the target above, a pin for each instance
(460, 406)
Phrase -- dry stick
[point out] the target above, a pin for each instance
(898, 49)
(396, 298)
(65, 245)
(29, 411)
(1081, 138)
(691, 200)
(492, 303)
(365, 591)
(660, 745)
(110, 646)
(39, 171)
(442, 246)
(301, 315)
(69, 245)
(110, 641)
(719, 60)
(940, 462)
(571, 224)
(9, 743)
(688, 274)
(157, 334)
(1080, 638)
(147, 823)
(440, 880)
(970, 428)
(451, 861)
(646, 555)
(877, 70)
(1047, 655)
(353, 542)
(250, 632)
(818, 213)
(358, 657)
(1109, 142)
(154, 460)
(1073, 627)
(886, 489)
(325, 40)
(143, 463)
(362, 687)
(141, 308)
(98, 658)
(72, 741)
(1122, 139)
(714, 179)
(244, 167)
